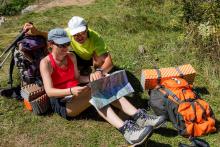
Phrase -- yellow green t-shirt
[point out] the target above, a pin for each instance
(93, 44)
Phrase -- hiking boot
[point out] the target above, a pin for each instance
(143, 119)
(135, 135)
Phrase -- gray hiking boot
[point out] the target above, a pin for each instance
(135, 135)
(143, 119)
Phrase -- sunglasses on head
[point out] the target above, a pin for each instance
(63, 45)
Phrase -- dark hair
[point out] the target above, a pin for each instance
(87, 28)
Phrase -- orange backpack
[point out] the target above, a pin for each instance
(190, 115)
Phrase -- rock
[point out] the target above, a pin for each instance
(2, 20)
(141, 49)
(29, 9)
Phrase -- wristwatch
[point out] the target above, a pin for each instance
(99, 69)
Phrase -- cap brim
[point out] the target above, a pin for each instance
(62, 40)
(77, 30)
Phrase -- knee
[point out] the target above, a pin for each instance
(72, 113)
(121, 100)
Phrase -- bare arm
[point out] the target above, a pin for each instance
(107, 65)
(104, 61)
(82, 79)
(31, 30)
(76, 71)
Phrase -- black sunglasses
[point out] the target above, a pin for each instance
(63, 45)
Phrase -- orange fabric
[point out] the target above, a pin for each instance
(149, 76)
(177, 88)
(198, 120)
(201, 126)
(27, 105)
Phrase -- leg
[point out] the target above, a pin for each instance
(81, 103)
(110, 116)
(132, 133)
(124, 105)
(140, 116)
(78, 104)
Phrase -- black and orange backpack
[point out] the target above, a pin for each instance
(189, 114)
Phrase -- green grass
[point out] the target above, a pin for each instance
(124, 25)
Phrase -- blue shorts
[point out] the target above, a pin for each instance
(58, 107)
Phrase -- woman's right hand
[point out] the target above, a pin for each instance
(77, 90)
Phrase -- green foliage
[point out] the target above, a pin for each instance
(201, 11)
(13, 7)
(203, 29)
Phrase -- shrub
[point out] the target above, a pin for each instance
(202, 18)
(13, 7)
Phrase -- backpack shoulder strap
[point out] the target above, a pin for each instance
(158, 75)
(169, 94)
(179, 71)
(203, 109)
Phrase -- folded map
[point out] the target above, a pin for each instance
(110, 88)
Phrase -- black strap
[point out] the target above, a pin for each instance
(11, 68)
(179, 71)
(194, 109)
(158, 75)
(169, 92)
(203, 109)
(12, 47)
(195, 142)
(192, 103)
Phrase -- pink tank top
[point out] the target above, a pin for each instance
(63, 78)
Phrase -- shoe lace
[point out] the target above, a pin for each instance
(144, 115)
(131, 126)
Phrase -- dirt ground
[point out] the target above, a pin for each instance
(47, 4)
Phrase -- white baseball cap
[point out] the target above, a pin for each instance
(76, 25)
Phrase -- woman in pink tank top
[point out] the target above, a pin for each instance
(61, 78)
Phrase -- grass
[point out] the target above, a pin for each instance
(125, 25)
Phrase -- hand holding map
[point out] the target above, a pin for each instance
(110, 88)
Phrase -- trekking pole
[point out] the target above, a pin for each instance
(18, 37)
(11, 47)
(13, 43)
(2, 63)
